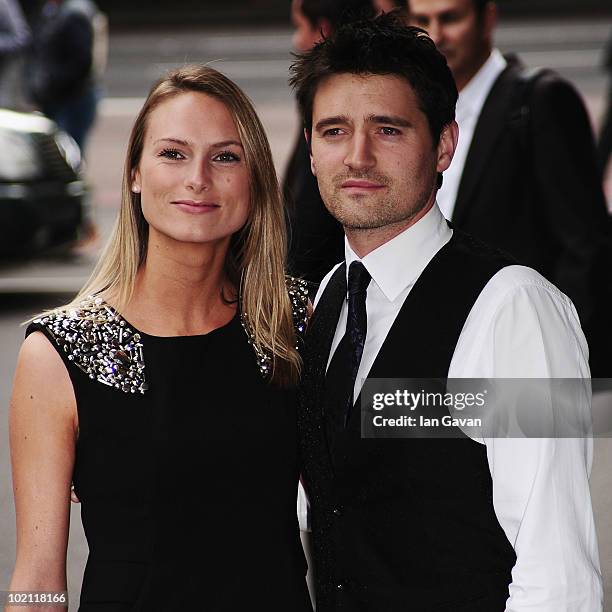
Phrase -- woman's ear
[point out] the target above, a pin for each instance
(135, 187)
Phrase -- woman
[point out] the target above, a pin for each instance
(165, 397)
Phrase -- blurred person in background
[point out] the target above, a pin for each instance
(604, 144)
(14, 38)
(164, 390)
(67, 59)
(525, 176)
(386, 6)
(316, 239)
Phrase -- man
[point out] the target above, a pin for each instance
(68, 56)
(315, 237)
(525, 177)
(604, 143)
(15, 36)
(427, 524)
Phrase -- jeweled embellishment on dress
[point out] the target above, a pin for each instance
(298, 294)
(100, 343)
(264, 361)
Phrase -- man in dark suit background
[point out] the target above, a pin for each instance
(525, 176)
(316, 239)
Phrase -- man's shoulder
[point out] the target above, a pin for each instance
(74, 11)
(516, 70)
(532, 84)
(521, 326)
(324, 283)
(516, 280)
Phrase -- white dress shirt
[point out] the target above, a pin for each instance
(469, 106)
(521, 326)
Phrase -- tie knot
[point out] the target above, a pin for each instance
(358, 278)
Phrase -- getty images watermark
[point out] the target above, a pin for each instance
(484, 408)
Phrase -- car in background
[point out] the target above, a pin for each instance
(44, 199)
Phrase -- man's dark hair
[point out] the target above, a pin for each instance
(381, 46)
(479, 5)
(335, 11)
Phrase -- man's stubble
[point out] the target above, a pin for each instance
(371, 212)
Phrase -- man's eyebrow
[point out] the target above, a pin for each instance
(393, 120)
(331, 121)
(187, 143)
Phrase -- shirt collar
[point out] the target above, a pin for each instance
(473, 95)
(398, 263)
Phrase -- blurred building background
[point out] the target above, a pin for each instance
(145, 13)
(275, 11)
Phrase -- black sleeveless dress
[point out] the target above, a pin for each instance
(186, 467)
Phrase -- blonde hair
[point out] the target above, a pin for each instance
(257, 253)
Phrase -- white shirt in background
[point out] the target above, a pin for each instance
(469, 106)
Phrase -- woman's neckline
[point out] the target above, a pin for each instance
(172, 337)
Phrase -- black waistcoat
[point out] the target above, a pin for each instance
(403, 525)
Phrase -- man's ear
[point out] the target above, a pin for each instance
(325, 28)
(308, 137)
(489, 20)
(447, 146)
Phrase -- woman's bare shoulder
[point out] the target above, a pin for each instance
(38, 356)
(42, 382)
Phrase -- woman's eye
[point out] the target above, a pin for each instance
(171, 154)
(226, 157)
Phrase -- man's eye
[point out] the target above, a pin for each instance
(390, 131)
(422, 22)
(448, 18)
(171, 154)
(226, 157)
(332, 132)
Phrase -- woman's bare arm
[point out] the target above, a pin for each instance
(43, 427)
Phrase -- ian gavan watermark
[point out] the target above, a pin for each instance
(413, 401)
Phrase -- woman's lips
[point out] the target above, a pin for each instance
(196, 207)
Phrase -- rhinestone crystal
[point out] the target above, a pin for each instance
(100, 343)
(298, 294)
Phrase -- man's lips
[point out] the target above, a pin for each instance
(196, 206)
(361, 184)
